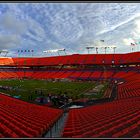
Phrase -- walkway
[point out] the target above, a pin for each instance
(56, 130)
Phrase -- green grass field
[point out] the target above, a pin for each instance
(25, 88)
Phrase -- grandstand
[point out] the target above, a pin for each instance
(69, 70)
(113, 111)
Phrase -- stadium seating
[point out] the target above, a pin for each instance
(96, 75)
(100, 59)
(115, 119)
(130, 88)
(107, 74)
(20, 119)
(85, 75)
(119, 118)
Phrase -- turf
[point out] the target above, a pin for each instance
(25, 88)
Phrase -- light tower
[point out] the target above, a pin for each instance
(57, 50)
(105, 49)
(63, 49)
(113, 47)
(5, 52)
(89, 47)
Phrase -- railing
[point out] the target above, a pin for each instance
(92, 102)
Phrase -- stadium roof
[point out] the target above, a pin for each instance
(73, 26)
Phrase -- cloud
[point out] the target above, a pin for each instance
(128, 41)
(136, 31)
(51, 45)
(9, 41)
(19, 33)
(35, 30)
(119, 24)
(9, 22)
(52, 26)
(65, 27)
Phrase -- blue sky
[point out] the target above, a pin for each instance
(73, 26)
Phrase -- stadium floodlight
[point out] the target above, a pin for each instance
(48, 51)
(4, 51)
(89, 47)
(105, 48)
(113, 47)
(63, 49)
(57, 50)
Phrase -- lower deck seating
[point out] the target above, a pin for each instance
(48, 74)
(130, 88)
(19, 119)
(119, 118)
(116, 119)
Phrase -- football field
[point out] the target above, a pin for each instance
(34, 88)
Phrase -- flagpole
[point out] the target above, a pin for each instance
(132, 48)
(88, 50)
(137, 42)
(105, 49)
(96, 50)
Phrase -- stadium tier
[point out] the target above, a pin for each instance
(88, 59)
(118, 117)
(21, 119)
(69, 70)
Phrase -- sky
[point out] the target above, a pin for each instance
(72, 26)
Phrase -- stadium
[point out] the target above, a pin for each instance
(91, 90)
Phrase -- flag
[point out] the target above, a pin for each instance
(25, 50)
(28, 50)
(133, 44)
(21, 50)
(102, 40)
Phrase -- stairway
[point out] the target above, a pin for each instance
(56, 130)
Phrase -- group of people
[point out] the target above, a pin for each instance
(6, 87)
(55, 100)
(59, 100)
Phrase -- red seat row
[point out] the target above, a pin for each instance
(119, 118)
(97, 59)
(21, 119)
